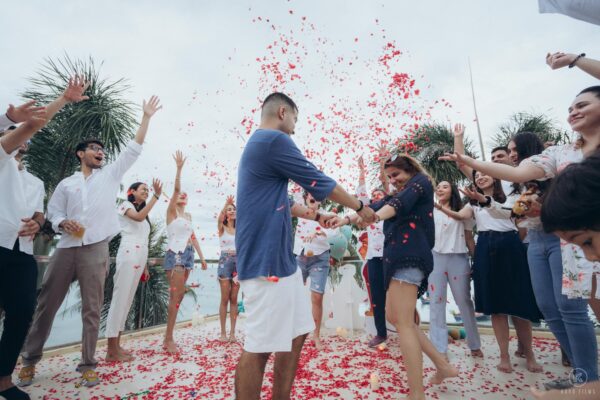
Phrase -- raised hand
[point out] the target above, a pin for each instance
(179, 159)
(474, 195)
(459, 130)
(25, 112)
(151, 107)
(383, 153)
(75, 89)
(157, 186)
(230, 200)
(559, 59)
(460, 159)
(361, 164)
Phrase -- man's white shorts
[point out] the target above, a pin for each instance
(276, 313)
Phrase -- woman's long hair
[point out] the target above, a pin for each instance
(529, 144)
(455, 199)
(131, 197)
(498, 194)
(225, 219)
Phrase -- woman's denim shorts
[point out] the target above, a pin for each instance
(227, 266)
(185, 259)
(410, 275)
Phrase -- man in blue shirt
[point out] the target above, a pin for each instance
(278, 311)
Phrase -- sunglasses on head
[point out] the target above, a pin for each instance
(391, 160)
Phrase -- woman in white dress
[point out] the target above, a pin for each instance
(131, 262)
(227, 268)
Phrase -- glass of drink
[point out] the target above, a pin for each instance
(79, 233)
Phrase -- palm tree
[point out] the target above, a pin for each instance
(540, 124)
(429, 142)
(107, 116)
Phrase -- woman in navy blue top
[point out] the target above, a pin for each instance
(407, 260)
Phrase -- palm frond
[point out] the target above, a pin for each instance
(107, 116)
(540, 124)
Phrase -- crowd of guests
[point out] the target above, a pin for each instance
(528, 222)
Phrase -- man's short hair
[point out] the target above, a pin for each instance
(84, 145)
(277, 99)
(500, 148)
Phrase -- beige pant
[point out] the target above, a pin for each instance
(88, 265)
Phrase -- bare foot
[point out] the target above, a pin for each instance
(519, 353)
(223, 338)
(504, 365)
(477, 353)
(118, 357)
(170, 347)
(533, 366)
(447, 371)
(125, 351)
(318, 343)
(232, 338)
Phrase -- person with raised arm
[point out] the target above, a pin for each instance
(584, 117)
(227, 271)
(500, 272)
(278, 310)
(179, 259)
(376, 239)
(21, 218)
(408, 261)
(560, 60)
(82, 209)
(132, 257)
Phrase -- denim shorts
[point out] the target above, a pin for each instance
(227, 266)
(185, 259)
(410, 275)
(317, 267)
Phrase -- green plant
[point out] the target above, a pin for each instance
(540, 124)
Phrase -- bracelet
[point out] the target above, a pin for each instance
(157, 197)
(362, 205)
(14, 122)
(576, 59)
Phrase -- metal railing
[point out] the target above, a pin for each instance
(207, 299)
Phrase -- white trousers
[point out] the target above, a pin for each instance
(131, 261)
(453, 269)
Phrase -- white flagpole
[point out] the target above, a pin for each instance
(476, 116)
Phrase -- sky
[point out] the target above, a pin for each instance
(361, 73)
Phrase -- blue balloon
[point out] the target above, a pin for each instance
(347, 232)
(338, 245)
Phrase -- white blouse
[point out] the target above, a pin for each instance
(132, 231)
(450, 234)
(227, 242)
(311, 237)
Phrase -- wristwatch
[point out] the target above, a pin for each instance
(487, 203)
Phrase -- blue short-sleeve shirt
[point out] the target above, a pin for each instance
(264, 237)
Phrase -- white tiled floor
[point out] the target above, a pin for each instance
(205, 369)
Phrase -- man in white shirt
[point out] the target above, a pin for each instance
(21, 217)
(82, 208)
